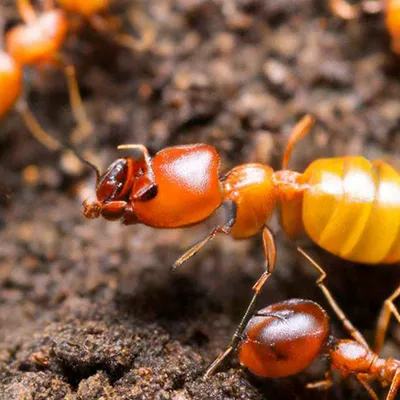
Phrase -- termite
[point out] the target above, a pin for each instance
(285, 338)
(37, 42)
(391, 9)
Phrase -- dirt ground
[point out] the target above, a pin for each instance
(90, 309)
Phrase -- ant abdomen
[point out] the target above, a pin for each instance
(284, 338)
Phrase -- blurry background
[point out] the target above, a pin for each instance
(90, 308)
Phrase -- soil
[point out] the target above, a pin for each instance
(90, 309)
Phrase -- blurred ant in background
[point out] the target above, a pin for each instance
(37, 42)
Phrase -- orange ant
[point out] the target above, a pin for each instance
(349, 206)
(391, 8)
(388, 309)
(37, 42)
(284, 338)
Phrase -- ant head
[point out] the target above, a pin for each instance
(284, 338)
(116, 182)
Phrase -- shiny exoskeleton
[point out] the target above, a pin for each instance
(349, 206)
(284, 338)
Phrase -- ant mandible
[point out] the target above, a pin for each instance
(37, 42)
(391, 8)
(284, 338)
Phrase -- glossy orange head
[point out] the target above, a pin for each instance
(85, 8)
(284, 338)
(38, 41)
(188, 187)
(10, 82)
(179, 186)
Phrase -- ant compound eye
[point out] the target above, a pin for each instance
(115, 182)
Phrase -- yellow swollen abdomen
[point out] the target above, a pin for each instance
(352, 209)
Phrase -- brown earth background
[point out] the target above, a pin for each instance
(90, 309)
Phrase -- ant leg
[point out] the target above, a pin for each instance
(270, 257)
(332, 302)
(84, 128)
(324, 384)
(300, 130)
(394, 386)
(195, 248)
(362, 379)
(34, 127)
(231, 208)
(387, 310)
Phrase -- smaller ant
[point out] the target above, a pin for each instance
(391, 9)
(37, 42)
(285, 338)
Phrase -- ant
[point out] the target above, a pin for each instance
(349, 206)
(391, 8)
(37, 42)
(285, 338)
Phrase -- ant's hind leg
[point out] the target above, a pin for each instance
(270, 257)
(387, 310)
(332, 302)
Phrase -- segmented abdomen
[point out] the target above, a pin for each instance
(352, 209)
